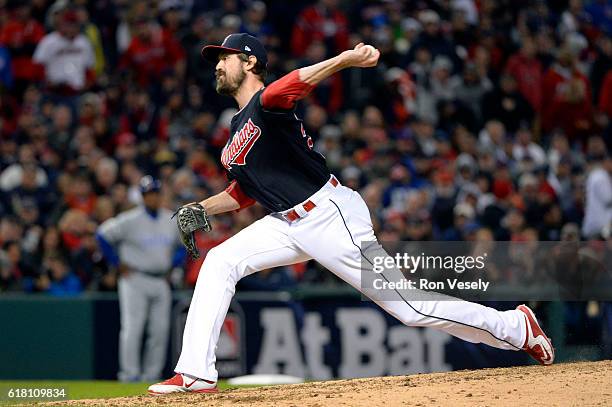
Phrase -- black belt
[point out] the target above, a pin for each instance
(153, 273)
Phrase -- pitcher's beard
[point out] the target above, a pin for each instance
(229, 88)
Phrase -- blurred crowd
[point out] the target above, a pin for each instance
(484, 119)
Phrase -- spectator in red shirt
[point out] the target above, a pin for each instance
(172, 32)
(605, 97)
(74, 226)
(566, 98)
(81, 196)
(20, 35)
(9, 112)
(141, 117)
(320, 22)
(150, 53)
(527, 70)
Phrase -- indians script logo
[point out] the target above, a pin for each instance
(241, 144)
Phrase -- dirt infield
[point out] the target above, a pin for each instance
(568, 384)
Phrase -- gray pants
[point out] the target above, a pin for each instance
(143, 301)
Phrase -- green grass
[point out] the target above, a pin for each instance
(77, 389)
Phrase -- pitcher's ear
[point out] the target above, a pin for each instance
(252, 62)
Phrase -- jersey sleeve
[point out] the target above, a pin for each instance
(108, 251)
(42, 52)
(239, 195)
(113, 229)
(283, 93)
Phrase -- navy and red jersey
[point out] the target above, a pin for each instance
(269, 157)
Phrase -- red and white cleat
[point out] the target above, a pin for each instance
(183, 384)
(537, 344)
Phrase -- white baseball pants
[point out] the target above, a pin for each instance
(331, 234)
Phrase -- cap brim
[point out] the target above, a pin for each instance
(211, 52)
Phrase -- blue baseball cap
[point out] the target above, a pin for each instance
(149, 184)
(238, 44)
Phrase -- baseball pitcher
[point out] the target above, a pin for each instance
(269, 159)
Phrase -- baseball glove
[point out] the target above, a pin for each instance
(189, 219)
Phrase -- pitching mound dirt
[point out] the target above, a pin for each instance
(567, 384)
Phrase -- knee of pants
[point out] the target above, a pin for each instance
(220, 264)
(158, 330)
(133, 328)
(133, 318)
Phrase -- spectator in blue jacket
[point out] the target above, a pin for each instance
(58, 280)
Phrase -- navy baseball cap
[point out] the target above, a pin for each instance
(149, 184)
(238, 44)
